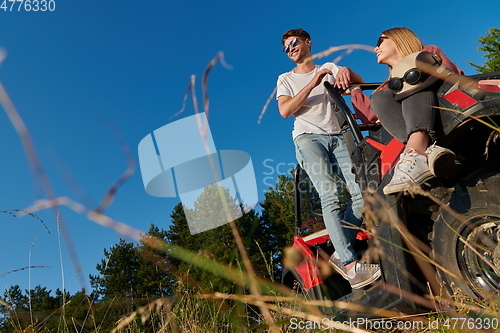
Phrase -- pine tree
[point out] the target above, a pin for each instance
(17, 312)
(156, 273)
(41, 300)
(118, 272)
(490, 45)
(15, 297)
(278, 217)
(216, 244)
(33, 307)
(135, 271)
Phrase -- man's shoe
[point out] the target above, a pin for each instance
(360, 275)
(411, 168)
(442, 161)
(336, 263)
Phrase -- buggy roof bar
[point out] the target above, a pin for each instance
(367, 86)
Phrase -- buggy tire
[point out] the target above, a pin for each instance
(466, 243)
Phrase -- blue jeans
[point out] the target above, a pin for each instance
(323, 157)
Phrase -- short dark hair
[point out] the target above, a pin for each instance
(295, 33)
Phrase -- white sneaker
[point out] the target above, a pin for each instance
(337, 264)
(442, 161)
(411, 168)
(360, 275)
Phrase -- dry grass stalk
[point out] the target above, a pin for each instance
(254, 285)
(145, 312)
(38, 172)
(250, 299)
(111, 193)
(304, 315)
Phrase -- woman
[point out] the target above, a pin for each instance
(410, 120)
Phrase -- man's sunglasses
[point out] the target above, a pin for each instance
(293, 43)
(380, 40)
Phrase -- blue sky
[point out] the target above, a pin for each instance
(72, 71)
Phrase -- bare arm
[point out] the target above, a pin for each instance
(288, 105)
(346, 76)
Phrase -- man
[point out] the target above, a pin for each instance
(321, 150)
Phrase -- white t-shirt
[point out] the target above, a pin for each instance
(316, 114)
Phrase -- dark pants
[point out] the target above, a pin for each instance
(402, 118)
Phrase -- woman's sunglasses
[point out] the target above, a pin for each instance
(380, 40)
(412, 76)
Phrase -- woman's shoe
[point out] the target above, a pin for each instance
(411, 168)
(442, 161)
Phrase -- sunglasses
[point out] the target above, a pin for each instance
(412, 76)
(380, 40)
(293, 43)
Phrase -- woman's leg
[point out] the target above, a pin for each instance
(412, 122)
(418, 142)
(390, 113)
(415, 114)
(419, 114)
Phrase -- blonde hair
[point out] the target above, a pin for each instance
(406, 41)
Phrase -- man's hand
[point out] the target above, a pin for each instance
(318, 77)
(344, 77)
(289, 105)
